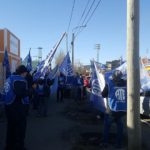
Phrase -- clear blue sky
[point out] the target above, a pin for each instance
(42, 23)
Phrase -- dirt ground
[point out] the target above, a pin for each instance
(69, 126)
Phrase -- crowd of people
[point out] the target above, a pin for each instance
(20, 90)
(79, 84)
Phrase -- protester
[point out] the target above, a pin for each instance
(85, 86)
(47, 91)
(61, 87)
(42, 102)
(29, 79)
(34, 98)
(43, 93)
(116, 92)
(78, 83)
(16, 101)
(48, 83)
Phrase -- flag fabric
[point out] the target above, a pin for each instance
(29, 62)
(6, 64)
(54, 86)
(144, 78)
(66, 66)
(53, 72)
(25, 60)
(45, 65)
(100, 66)
(123, 69)
(96, 97)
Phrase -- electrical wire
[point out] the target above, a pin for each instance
(79, 31)
(84, 11)
(71, 16)
(88, 12)
(93, 12)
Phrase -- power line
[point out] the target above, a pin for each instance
(92, 4)
(93, 12)
(84, 12)
(88, 11)
(71, 15)
(89, 18)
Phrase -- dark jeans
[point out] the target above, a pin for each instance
(78, 93)
(35, 102)
(60, 94)
(108, 120)
(16, 125)
(42, 106)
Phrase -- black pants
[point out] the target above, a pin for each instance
(60, 94)
(16, 125)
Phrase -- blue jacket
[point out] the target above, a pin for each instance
(40, 90)
(117, 97)
(13, 85)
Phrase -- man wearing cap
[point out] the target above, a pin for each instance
(116, 93)
(16, 102)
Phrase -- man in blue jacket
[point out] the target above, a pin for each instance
(16, 102)
(116, 92)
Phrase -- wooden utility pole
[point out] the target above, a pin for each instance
(133, 76)
(72, 43)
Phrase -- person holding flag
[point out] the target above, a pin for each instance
(16, 101)
(116, 92)
(61, 86)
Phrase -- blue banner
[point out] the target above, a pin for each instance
(96, 97)
(29, 62)
(66, 66)
(6, 64)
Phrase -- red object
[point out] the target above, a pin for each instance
(86, 83)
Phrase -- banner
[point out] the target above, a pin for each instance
(45, 66)
(96, 97)
(66, 66)
(29, 62)
(6, 64)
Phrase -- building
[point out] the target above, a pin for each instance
(9, 42)
(112, 64)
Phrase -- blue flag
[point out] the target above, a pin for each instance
(96, 97)
(100, 66)
(29, 62)
(45, 66)
(66, 66)
(42, 68)
(53, 72)
(6, 64)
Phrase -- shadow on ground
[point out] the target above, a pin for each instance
(87, 134)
